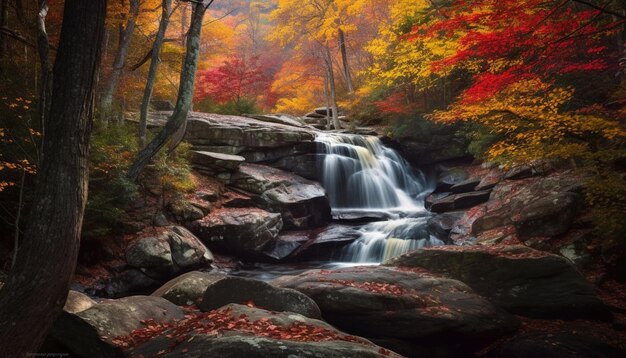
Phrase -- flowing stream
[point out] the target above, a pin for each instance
(373, 188)
(366, 180)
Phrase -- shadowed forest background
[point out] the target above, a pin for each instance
(470, 93)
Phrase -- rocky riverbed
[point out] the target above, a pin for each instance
(511, 281)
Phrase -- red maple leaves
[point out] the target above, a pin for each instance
(236, 79)
(216, 322)
(512, 40)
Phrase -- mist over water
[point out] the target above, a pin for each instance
(363, 178)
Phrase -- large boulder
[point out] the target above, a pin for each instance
(187, 289)
(93, 332)
(316, 243)
(267, 139)
(404, 308)
(536, 206)
(175, 250)
(302, 203)
(258, 293)
(441, 225)
(152, 255)
(517, 278)
(241, 331)
(188, 252)
(243, 232)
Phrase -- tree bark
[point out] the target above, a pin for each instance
(38, 283)
(152, 72)
(185, 93)
(43, 48)
(331, 82)
(327, 97)
(344, 58)
(106, 101)
(4, 19)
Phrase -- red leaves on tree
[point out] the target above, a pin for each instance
(396, 103)
(513, 39)
(236, 79)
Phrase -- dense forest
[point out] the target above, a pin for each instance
(410, 177)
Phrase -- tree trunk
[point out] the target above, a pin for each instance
(4, 19)
(43, 46)
(344, 58)
(185, 93)
(333, 92)
(327, 97)
(38, 283)
(154, 65)
(126, 35)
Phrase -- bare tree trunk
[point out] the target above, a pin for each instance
(38, 283)
(43, 46)
(126, 35)
(185, 93)
(344, 58)
(4, 19)
(154, 65)
(327, 97)
(333, 92)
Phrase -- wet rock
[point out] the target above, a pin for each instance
(237, 342)
(441, 225)
(403, 307)
(151, 254)
(460, 201)
(304, 165)
(241, 232)
(187, 289)
(261, 294)
(466, 185)
(90, 333)
(449, 178)
(77, 302)
(549, 216)
(434, 197)
(321, 242)
(188, 252)
(302, 203)
(517, 278)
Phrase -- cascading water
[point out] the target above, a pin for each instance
(365, 179)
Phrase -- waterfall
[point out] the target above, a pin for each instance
(364, 179)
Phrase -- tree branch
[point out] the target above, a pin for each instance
(602, 9)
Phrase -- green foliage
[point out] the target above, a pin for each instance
(174, 171)
(605, 191)
(480, 139)
(242, 106)
(110, 192)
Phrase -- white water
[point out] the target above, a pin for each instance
(364, 178)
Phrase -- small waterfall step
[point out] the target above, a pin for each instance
(366, 181)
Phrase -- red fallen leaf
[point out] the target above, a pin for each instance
(185, 350)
